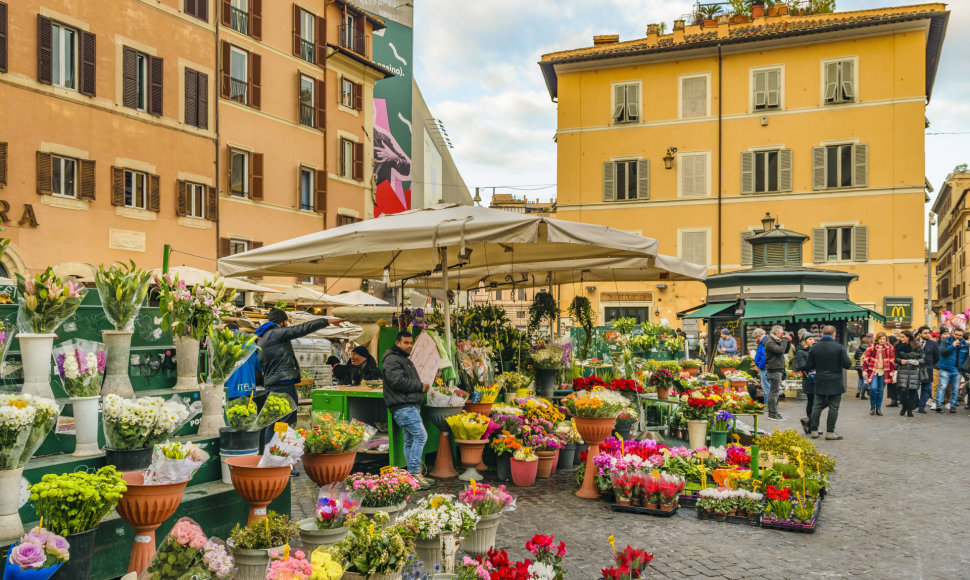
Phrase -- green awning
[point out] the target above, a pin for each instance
(768, 311)
(835, 310)
(804, 310)
(709, 310)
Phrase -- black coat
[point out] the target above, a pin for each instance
(931, 354)
(276, 353)
(775, 349)
(859, 351)
(402, 385)
(828, 358)
(808, 375)
(907, 374)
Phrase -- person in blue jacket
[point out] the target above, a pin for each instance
(243, 380)
(727, 344)
(953, 351)
(759, 361)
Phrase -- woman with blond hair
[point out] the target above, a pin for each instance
(878, 370)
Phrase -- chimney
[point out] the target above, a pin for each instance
(678, 31)
(653, 34)
(602, 39)
(723, 26)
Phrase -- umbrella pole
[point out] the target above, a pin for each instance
(447, 309)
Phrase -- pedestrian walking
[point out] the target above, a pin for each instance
(862, 391)
(931, 356)
(403, 395)
(828, 358)
(777, 345)
(909, 368)
(808, 375)
(727, 344)
(878, 369)
(759, 361)
(953, 351)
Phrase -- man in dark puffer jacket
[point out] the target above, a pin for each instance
(403, 395)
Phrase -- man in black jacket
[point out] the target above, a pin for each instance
(403, 395)
(777, 345)
(828, 358)
(931, 352)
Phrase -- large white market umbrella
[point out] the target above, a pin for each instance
(359, 298)
(436, 238)
(192, 276)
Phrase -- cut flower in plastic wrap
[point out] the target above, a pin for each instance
(122, 290)
(143, 422)
(487, 394)
(276, 406)
(190, 312)
(43, 412)
(511, 382)
(468, 426)
(241, 413)
(285, 448)
(80, 365)
(180, 552)
(627, 416)
(334, 506)
(173, 462)
(228, 351)
(441, 513)
(596, 403)
(486, 500)
(46, 301)
(37, 555)
(16, 424)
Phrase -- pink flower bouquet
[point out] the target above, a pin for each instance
(36, 556)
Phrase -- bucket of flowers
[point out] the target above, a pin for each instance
(386, 492)
(525, 464)
(132, 427)
(434, 516)
(329, 524)
(81, 367)
(330, 447)
(489, 503)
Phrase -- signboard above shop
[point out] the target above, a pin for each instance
(898, 311)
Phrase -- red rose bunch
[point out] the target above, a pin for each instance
(630, 564)
(587, 383)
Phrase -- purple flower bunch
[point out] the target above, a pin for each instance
(39, 549)
(722, 420)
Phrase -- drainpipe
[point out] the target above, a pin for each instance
(218, 94)
(719, 160)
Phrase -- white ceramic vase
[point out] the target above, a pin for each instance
(85, 426)
(11, 527)
(213, 402)
(117, 344)
(35, 353)
(697, 433)
(187, 363)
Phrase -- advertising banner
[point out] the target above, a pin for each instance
(393, 48)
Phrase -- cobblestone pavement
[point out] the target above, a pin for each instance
(895, 510)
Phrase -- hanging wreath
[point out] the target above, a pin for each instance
(543, 308)
(582, 311)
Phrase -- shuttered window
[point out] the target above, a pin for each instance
(693, 170)
(766, 85)
(351, 94)
(3, 37)
(840, 244)
(238, 173)
(192, 200)
(64, 176)
(766, 171)
(693, 97)
(693, 246)
(197, 9)
(746, 248)
(245, 16)
(61, 176)
(3, 164)
(241, 75)
(346, 220)
(142, 80)
(839, 166)
(839, 81)
(196, 99)
(304, 34)
(626, 103)
(306, 188)
(626, 180)
(346, 164)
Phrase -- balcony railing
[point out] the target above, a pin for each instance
(239, 91)
(306, 50)
(352, 40)
(239, 20)
(307, 115)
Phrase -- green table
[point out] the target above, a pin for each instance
(367, 405)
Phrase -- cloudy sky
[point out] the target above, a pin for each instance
(476, 65)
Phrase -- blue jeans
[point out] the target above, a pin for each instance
(409, 420)
(862, 384)
(925, 390)
(765, 384)
(951, 378)
(876, 388)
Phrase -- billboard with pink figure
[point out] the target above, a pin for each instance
(393, 48)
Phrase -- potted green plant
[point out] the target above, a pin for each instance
(582, 312)
(709, 13)
(543, 310)
(72, 505)
(252, 544)
(548, 361)
(740, 11)
(374, 550)
(122, 289)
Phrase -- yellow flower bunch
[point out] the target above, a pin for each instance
(325, 566)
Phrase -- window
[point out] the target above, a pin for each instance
(3, 37)
(839, 81)
(498, 294)
(239, 15)
(231, 246)
(840, 243)
(197, 200)
(238, 246)
(351, 94)
(309, 36)
(136, 189)
(238, 173)
(766, 171)
(142, 76)
(196, 99)
(197, 9)
(351, 35)
(694, 246)
(766, 84)
(306, 189)
(306, 36)
(344, 220)
(141, 80)
(346, 157)
(694, 170)
(64, 52)
(307, 109)
(195, 196)
(694, 97)
(63, 176)
(641, 313)
(521, 292)
(838, 166)
(626, 103)
(239, 76)
(625, 180)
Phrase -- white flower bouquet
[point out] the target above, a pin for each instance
(45, 417)
(285, 448)
(442, 513)
(143, 422)
(80, 365)
(16, 421)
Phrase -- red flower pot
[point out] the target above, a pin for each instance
(544, 468)
(324, 468)
(663, 393)
(524, 472)
(144, 508)
(480, 408)
(257, 485)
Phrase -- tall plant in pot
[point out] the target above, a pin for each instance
(548, 360)
(46, 302)
(251, 545)
(72, 505)
(122, 289)
(228, 350)
(187, 315)
(81, 366)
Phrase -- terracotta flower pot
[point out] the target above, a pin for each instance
(257, 485)
(480, 408)
(324, 468)
(692, 371)
(623, 501)
(524, 472)
(668, 507)
(555, 461)
(144, 508)
(726, 370)
(593, 430)
(546, 459)
(471, 456)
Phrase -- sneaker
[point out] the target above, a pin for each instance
(932, 405)
(805, 426)
(946, 406)
(953, 409)
(776, 417)
(878, 411)
(872, 410)
(816, 434)
(833, 437)
(423, 482)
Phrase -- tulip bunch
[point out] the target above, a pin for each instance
(71, 503)
(227, 351)
(46, 301)
(122, 290)
(191, 312)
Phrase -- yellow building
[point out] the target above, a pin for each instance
(952, 209)
(693, 136)
(215, 126)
